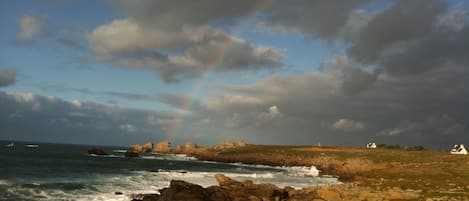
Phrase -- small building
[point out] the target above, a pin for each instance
(371, 145)
(459, 149)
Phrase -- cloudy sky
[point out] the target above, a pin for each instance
(347, 72)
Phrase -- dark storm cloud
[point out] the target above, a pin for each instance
(172, 14)
(400, 23)
(406, 37)
(416, 110)
(7, 77)
(316, 18)
(26, 116)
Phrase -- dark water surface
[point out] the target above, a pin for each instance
(67, 172)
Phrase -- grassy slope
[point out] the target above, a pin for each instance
(434, 173)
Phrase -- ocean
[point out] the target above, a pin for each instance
(67, 172)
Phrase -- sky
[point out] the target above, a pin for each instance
(299, 72)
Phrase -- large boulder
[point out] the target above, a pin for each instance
(136, 148)
(130, 154)
(183, 191)
(97, 151)
(147, 147)
(230, 189)
(162, 147)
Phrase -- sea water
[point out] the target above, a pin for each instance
(67, 172)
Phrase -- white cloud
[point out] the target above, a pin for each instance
(348, 125)
(76, 103)
(179, 52)
(23, 97)
(31, 25)
(267, 117)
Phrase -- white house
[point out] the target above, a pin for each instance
(371, 145)
(459, 149)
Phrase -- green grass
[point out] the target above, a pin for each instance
(432, 172)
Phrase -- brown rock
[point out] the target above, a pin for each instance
(225, 145)
(328, 194)
(188, 147)
(97, 151)
(240, 143)
(289, 191)
(162, 147)
(267, 191)
(218, 193)
(254, 198)
(136, 148)
(147, 147)
(178, 149)
(223, 180)
(183, 191)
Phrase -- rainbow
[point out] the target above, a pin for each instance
(216, 57)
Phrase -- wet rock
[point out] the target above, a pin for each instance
(118, 193)
(129, 154)
(144, 197)
(97, 151)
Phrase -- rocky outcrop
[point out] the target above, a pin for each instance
(97, 151)
(226, 144)
(147, 147)
(240, 143)
(181, 191)
(230, 189)
(136, 148)
(188, 147)
(162, 147)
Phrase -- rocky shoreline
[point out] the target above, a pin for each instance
(231, 190)
(366, 175)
